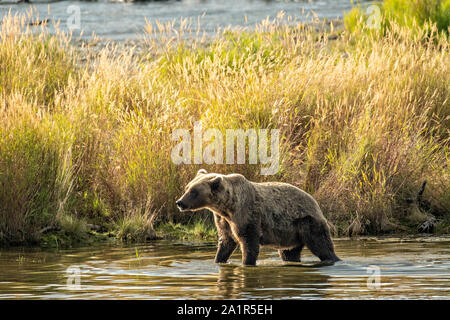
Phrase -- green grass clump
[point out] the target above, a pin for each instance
(199, 229)
(135, 228)
(413, 14)
(35, 175)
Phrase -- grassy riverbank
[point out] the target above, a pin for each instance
(85, 135)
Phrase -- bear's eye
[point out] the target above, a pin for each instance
(194, 193)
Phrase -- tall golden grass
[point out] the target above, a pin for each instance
(364, 121)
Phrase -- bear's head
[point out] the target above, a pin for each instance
(205, 191)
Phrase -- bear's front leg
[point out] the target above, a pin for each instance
(225, 249)
(226, 243)
(249, 241)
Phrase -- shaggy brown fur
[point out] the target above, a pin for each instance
(251, 214)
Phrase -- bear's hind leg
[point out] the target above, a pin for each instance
(316, 236)
(291, 255)
(249, 241)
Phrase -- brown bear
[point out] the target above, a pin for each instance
(271, 214)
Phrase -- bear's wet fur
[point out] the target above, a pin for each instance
(252, 214)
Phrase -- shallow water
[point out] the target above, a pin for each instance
(408, 269)
(120, 21)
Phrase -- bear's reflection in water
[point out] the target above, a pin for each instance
(272, 282)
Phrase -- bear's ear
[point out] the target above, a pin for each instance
(201, 171)
(215, 183)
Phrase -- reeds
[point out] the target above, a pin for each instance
(364, 121)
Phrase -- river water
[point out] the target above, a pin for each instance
(124, 20)
(389, 268)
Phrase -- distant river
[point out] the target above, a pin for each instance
(124, 20)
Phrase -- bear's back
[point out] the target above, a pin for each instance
(286, 200)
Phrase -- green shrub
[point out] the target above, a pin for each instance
(413, 14)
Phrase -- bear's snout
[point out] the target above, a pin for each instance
(181, 205)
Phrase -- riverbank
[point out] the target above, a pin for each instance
(85, 135)
(197, 230)
(201, 232)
